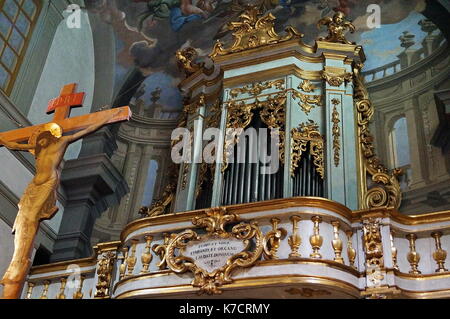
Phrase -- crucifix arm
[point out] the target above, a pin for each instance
(90, 129)
(16, 146)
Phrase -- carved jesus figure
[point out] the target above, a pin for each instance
(39, 199)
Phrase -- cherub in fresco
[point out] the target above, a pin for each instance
(179, 12)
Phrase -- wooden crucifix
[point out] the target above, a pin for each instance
(48, 144)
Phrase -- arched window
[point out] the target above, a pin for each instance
(17, 19)
(399, 144)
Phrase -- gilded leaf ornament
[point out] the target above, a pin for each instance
(253, 30)
(256, 89)
(307, 133)
(186, 61)
(240, 115)
(336, 132)
(307, 102)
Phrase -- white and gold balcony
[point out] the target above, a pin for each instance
(297, 248)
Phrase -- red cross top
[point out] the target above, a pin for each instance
(63, 103)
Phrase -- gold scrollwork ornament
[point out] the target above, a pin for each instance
(273, 239)
(385, 191)
(214, 223)
(253, 30)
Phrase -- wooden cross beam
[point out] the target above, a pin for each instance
(61, 107)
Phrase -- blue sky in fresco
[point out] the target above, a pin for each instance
(383, 45)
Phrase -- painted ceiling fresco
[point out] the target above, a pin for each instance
(150, 32)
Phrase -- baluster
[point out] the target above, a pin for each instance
(146, 257)
(30, 290)
(316, 240)
(61, 294)
(393, 251)
(413, 256)
(123, 265)
(439, 255)
(45, 291)
(294, 240)
(337, 243)
(131, 260)
(351, 252)
(79, 294)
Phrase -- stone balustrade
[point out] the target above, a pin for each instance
(407, 58)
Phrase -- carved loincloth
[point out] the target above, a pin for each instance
(38, 202)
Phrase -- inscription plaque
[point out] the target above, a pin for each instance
(211, 254)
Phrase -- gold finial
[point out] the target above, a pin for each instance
(337, 27)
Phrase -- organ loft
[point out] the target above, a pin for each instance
(294, 201)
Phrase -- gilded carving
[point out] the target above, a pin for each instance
(308, 133)
(256, 89)
(161, 205)
(387, 193)
(307, 86)
(214, 223)
(240, 115)
(253, 30)
(105, 266)
(273, 239)
(336, 76)
(186, 61)
(161, 251)
(307, 102)
(336, 132)
(372, 243)
(337, 27)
